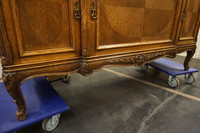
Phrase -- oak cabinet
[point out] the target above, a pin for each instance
(57, 37)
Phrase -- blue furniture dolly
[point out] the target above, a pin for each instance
(43, 103)
(173, 69)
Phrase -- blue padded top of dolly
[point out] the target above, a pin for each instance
(170, 67)
(42, 102)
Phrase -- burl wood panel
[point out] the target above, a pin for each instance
(49, 23)
(190, 23)
(40, 31)
(131, 21)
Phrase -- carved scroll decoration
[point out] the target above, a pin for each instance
(84, 68)
(87, 68)
(13, 88)
(136, 60)
(8, 79)
(4, 61)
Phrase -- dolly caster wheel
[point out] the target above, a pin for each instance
(66, 78)
(189, 78)
(144, 67)
(173, 82)
(51, 123)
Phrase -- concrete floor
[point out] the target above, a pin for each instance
(108, 103)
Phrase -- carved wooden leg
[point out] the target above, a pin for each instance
(188, 59)
(13, 87)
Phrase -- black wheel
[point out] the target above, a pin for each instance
(173, 82)
(66, 78)
(144, 67)
(189, 78)
(51, 123)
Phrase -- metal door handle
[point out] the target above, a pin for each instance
(93, 10)
(77, 11)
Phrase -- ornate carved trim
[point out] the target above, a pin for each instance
(85, 52)
(13, 88)
(84, 68)
(4, 61)
(9, 80)
(136, 60)
(87, 68)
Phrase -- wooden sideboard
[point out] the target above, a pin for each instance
(57, 37)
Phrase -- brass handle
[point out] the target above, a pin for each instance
(93, 10)
(77, 12)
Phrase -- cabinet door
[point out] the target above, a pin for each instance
(191, 20)
(131, 25)
(42, 30)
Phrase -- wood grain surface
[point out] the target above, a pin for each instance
(57, 37)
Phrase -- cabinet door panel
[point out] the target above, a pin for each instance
(45, 27)
(190, 23)
(130, 23)
(44, 24)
